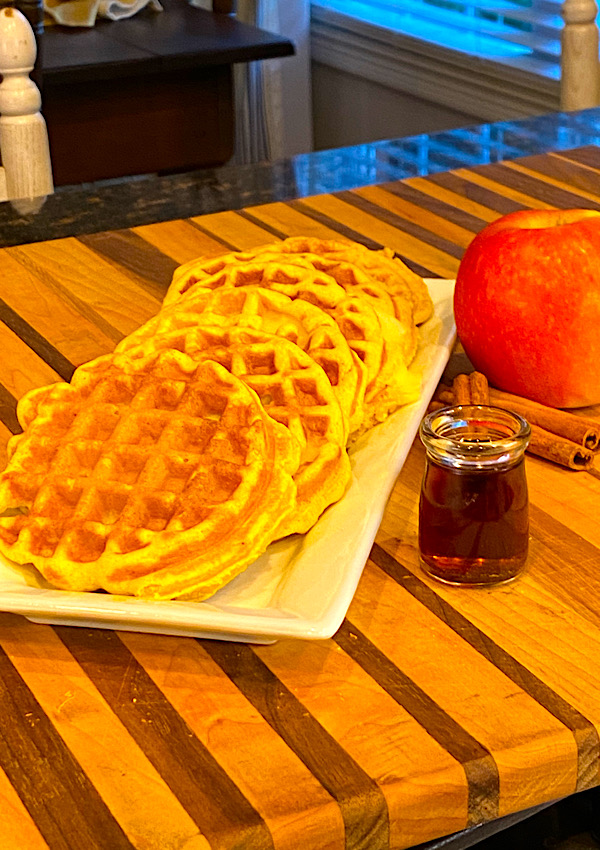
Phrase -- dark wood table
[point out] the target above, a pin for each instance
(151, 93)
(432, 709)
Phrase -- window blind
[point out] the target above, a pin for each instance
(526, 32)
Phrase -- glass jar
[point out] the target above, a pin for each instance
(474, 507)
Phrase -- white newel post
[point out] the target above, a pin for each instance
(27, 169)
(580, 73)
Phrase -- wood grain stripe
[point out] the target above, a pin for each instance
(335, 225)
(226, 245)
(576, 554)
(584, 198)
(584, 732)
(276, 232)
(455, 201)
(19, 832)
(280, 216)
(179, 239)
(558, 170)
(532, 186)
(128, 252)
(401, 223)
(588, 155)
(8, 411)
(95, 287)
(444, 228)
(65, 806)
(355, 236)
(48, 353)
(474, 192)
(436, 206)
(479, 766)
(239, 739)
(52, 317)
(362, 804)
(232, 230)
(209, 796)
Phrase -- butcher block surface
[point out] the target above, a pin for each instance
(432, 709)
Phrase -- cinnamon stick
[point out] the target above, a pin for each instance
(571, 426)
(446, 396)
(546, 445)
(479, 388)
(556, 435)
(461, 390)
(579, 429)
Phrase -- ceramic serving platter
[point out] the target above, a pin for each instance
(303, 585)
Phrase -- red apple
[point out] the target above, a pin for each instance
(527, 305)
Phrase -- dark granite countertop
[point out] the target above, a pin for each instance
(111, 205)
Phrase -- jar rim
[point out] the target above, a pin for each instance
(475, 435)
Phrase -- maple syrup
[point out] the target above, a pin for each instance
(473, 511)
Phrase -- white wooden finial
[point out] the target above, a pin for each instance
(580, 71)
(23, 134)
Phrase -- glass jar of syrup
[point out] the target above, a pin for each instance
(474, 508)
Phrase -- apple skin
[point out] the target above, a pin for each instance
(527, 305)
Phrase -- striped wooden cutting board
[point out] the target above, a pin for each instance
(431, 710)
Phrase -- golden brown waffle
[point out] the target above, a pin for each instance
(385, 345)
(387, 283)
(360, 325)
(352, 279)
(378, 274)
(161, 477)
(301, 322)
(292, 276)
(306, 276)
(357, 283)
(382, 266)
(378, 341)
(294, 390)
(165, 469)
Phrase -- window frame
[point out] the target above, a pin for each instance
(487, 89)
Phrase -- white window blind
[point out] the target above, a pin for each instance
(525, 33)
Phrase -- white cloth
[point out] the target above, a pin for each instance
(83, 13)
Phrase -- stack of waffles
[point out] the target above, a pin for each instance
(166, 468)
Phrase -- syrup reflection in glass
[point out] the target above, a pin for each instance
(474, 510)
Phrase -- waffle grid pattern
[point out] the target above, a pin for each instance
(222, 424)
(166, 447)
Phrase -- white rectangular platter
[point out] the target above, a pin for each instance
(303, 585)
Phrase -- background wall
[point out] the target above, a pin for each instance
(349, 110)
(372, 83)
(294, 22)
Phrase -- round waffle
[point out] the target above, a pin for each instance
(286, 267)
(377, 340)
(379, 274)
(308, 276)
(352, 279)
(294, 390)
(382, 266)
(385, 345)
(293, 276)
(165, 469)
(301, 322)
(163, 477)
